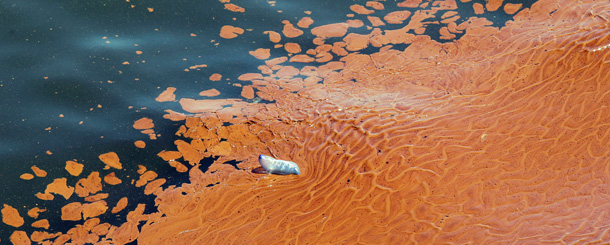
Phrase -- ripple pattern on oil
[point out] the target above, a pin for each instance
(504, 137)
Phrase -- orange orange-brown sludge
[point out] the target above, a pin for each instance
(209, 93)
(111, 159)
(140, 144)
(167, 95)
(34, 212)
(10, 216)
(234, 8)
(215, 77)
(74, 168)
(229, 32)
(39, 172)
(501, 136)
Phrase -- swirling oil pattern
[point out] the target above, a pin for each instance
(499, 136)
(502, 136)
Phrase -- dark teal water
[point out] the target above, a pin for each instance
(64, 41)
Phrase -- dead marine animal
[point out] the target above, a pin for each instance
(276, 166)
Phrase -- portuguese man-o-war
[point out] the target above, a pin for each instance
(276, 166)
